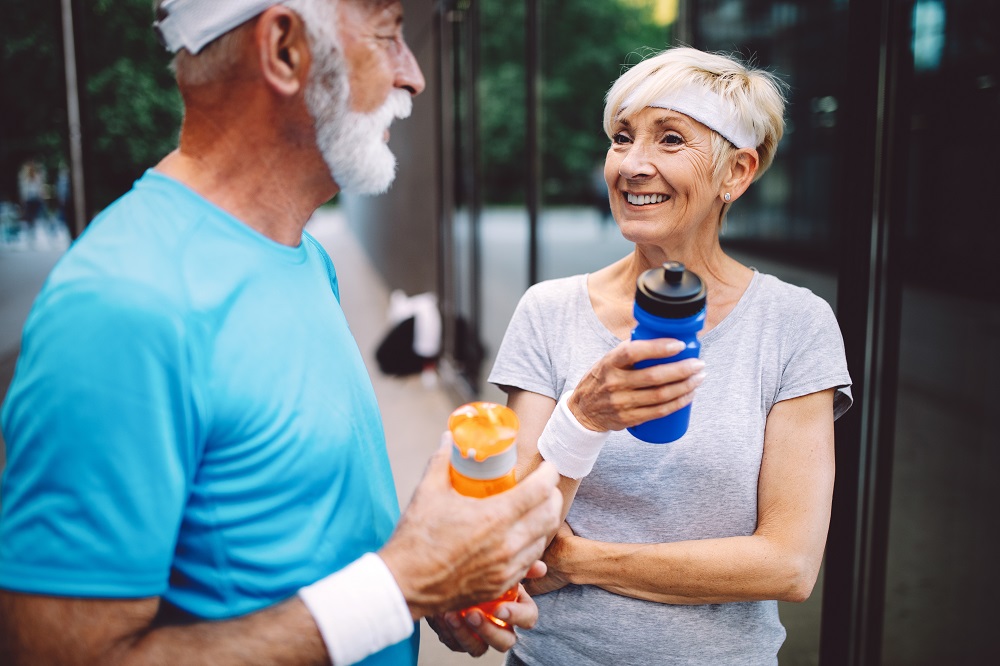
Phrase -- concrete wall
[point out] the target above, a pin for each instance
(399, 229)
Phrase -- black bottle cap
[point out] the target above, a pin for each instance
(670, 291)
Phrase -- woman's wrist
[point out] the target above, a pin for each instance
(568, 444)
(563, 557)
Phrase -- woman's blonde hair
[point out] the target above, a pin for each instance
(757, 96)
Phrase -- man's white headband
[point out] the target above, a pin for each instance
(191, 24)
(711, 110)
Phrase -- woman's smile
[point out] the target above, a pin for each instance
(637, 199)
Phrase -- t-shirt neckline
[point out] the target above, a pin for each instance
(154, 178)
(728, 322)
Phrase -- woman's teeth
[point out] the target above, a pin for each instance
(643, 199)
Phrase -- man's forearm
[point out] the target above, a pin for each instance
(54, 630)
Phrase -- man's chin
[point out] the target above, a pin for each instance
(366, 186)
(368, 172)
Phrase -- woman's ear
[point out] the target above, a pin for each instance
(283, 48)
(740, 174)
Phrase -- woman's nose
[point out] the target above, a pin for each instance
(637, 163)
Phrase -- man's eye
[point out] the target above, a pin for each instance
(391, 42)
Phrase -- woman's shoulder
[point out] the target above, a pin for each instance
(557, 291)
(792, 301)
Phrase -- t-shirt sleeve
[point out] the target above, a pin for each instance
(816, 360)
(524, 360)
(98, 425)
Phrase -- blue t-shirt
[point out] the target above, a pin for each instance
(190, 417)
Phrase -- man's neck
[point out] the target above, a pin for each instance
(271, 187)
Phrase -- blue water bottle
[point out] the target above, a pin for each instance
(669, 303)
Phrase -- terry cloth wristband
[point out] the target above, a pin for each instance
(567, 444)
(359, 610)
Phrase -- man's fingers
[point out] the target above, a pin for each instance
(463, 635)
(533, 491)
(436, 472)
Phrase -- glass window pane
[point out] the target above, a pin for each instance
(785, 223)
(940, 584)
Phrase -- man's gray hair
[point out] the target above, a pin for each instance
(219, 57)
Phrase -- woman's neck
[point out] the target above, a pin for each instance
(612, 289)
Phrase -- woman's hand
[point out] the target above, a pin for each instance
(552, 580)
(613, 395)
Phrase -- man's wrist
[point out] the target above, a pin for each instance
(359, 610)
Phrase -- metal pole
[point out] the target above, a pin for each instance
(532, 66)
(73, 118)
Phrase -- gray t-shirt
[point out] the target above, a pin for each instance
(779, 342)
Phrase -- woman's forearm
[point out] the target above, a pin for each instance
(749, 568)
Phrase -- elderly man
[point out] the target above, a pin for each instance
(196, 466)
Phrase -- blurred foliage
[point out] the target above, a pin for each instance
(585, 45)
(132, 112)
(130, 107)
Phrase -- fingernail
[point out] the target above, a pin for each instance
(698, 379)
(502, 613)
(475, 618)
(674, 347)
(453, 620)
(696, 364)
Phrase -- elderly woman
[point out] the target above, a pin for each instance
(678, 553)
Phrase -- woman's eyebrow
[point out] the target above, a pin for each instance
(671, 117)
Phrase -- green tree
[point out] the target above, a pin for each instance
(134, 109)
(131, 109)
(585, 46)
(32, 110)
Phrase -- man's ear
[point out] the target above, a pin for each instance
(741, 172)
(283, 48)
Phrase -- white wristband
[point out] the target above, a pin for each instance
(359, 610)
(568, 445)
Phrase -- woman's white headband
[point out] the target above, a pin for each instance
(711, 110)
(192, 24)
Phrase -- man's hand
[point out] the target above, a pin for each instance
(474, 633)
(451, 552)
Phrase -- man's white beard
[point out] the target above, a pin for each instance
(352, 144)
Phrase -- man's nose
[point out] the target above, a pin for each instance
(408, 74)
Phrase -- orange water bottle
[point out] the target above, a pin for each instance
(482, 462)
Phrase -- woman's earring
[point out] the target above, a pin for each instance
(727, 197)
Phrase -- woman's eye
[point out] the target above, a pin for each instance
(620, 138)
(672, 139)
